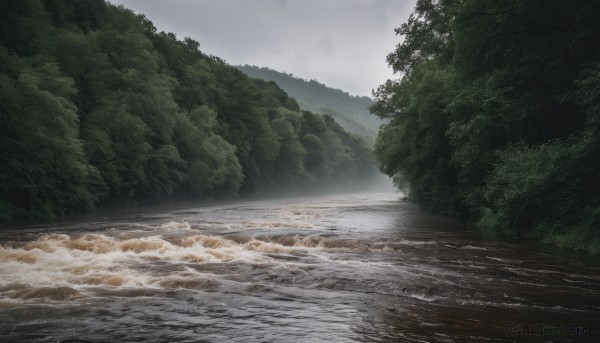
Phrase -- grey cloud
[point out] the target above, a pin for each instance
(341, 43)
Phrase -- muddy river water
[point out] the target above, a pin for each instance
(343, 268)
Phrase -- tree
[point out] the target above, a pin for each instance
(493, 118)
(44, 170)
(99, 109)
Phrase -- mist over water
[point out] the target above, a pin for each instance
(344, 268)
(374, 183)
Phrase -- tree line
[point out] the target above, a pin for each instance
(98, 108)
(352, 112)
(495, 118)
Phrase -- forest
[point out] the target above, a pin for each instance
(495, 117)
(351, 112)
(99, 109)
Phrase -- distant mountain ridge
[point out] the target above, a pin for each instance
(349, 111)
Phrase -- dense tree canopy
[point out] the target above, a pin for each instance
(98, 108)
(351, 112)
(495, 116)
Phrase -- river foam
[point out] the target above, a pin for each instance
(344, 268)
(63, 266)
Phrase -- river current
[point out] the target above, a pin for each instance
(343, 268)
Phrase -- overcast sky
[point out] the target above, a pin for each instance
(341, 43)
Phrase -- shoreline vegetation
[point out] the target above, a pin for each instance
(496, 116)
(100, 110)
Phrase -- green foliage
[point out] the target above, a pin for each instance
(525, 184)
(44, 171)
(415, 144)
(315, 153)
(99, 109)
(495, 118)
(350, 111)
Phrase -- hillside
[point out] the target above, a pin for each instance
(350, 111)
(98, 108)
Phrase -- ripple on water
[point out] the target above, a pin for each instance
(345, 268)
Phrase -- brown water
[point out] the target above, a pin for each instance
(352, 268)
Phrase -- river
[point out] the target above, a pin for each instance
(343, 268)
